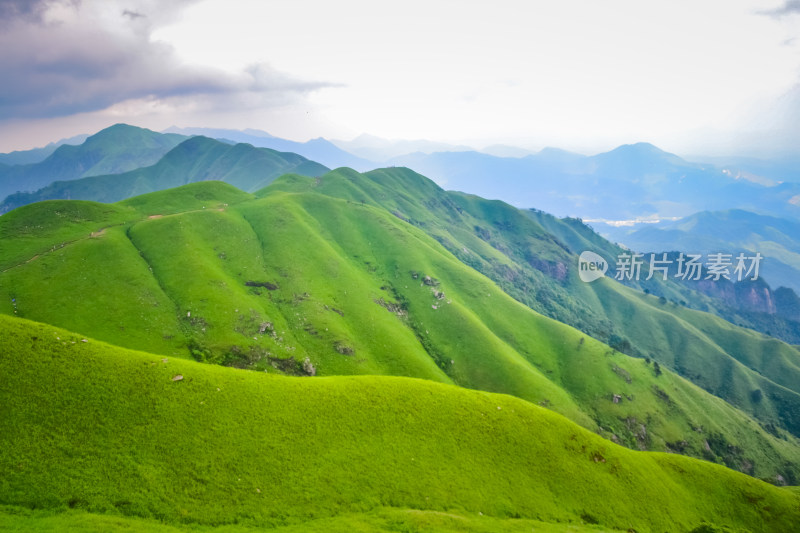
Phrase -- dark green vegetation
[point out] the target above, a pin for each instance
(112, 432)
(116, 149)
(195, 159)
(350, 274)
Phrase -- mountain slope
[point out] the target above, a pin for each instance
(531, 256)
(298, 281)
(196, 159)
(123, 435)
(116, 149)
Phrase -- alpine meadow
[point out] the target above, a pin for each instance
(352, 267)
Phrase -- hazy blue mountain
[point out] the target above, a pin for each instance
(244, 136)
(318, 149)
(116, 149)
(36, 155)
(777, 239)
(629, 182)
(504, 150)
(196, 159)
(382, 150)
(750, 168)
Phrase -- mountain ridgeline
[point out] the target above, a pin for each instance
(194, 159)
(380, 273)
(116, 149)
(630, 182)
(319, 150)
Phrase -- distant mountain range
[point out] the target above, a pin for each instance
(629, 182)
(774, 170)
(734, 230)
(194, 159)
(319, 150)
(36, 155)
(116, 149)
(383, 150)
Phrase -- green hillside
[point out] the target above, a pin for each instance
(116, 149)
(532, 256)
(195, 159)
(382, 520)
(102, 430)
(304, 283)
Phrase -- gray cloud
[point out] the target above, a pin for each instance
(84, 62)
(30, 10)
(133, 15)
(791, 7)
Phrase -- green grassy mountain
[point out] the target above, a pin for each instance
(195, 159)
(101, 438)
(311, 277)
(116, 149)
(532, 255)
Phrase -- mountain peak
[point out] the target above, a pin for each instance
(258, 133)
(550, 152)
(640, 148)
(119, 133)
(640, 153)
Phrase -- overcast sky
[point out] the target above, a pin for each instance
(692, 76)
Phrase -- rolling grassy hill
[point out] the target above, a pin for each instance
(301, 281)
(116, 149)
(531, 256)
(99, 437)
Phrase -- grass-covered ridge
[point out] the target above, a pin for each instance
(106, 430)
(532, 257)
(300, 283)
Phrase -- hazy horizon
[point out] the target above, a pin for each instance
(715, 78)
